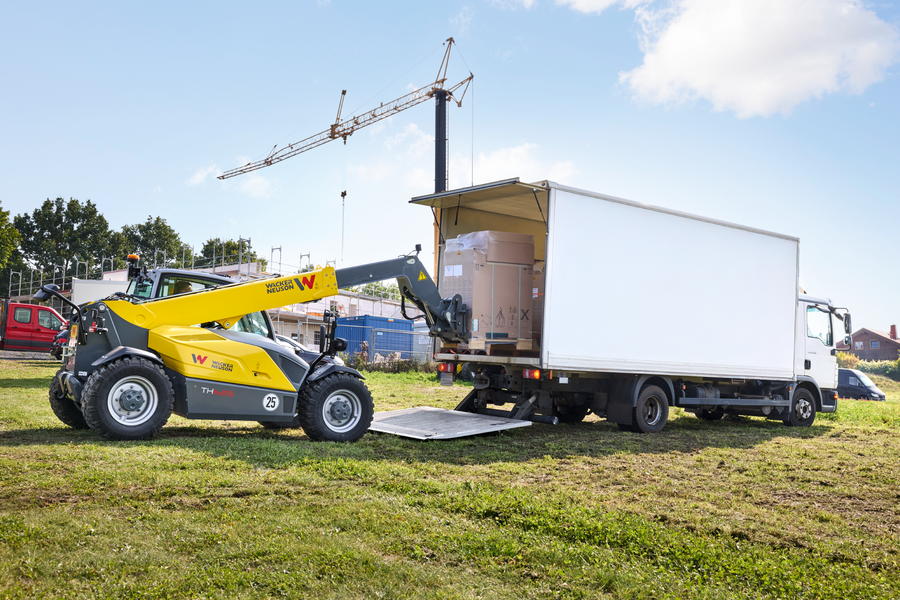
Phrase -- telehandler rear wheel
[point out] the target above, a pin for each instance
(128, 399)
(64, 407)
(337, 408)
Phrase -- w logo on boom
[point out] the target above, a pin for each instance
(199, 359)
(308, 282)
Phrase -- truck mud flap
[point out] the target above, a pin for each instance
(620, 408)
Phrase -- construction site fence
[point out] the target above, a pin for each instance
(375, 344)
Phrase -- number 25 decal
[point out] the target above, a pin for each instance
(270, 402)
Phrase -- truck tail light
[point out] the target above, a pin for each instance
(531, 373)
(445, 368)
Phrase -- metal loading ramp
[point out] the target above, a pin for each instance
(428, 423)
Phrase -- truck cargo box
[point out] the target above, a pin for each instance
(633, 288)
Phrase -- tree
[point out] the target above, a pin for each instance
(9, 237)
(153, 240)
(212, 249)
(60, 233)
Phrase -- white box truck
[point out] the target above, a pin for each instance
(645, 308)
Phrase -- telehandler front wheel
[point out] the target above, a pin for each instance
(337, 408)
(128, 399)
(64, 407)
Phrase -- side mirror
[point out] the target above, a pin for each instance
(46, 292)
(847, 329)
(848, 341)
(340, 345)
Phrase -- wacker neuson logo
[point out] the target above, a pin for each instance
(289, 284)
(216, 364)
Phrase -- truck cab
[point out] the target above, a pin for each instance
(28, 327)
(818, 331)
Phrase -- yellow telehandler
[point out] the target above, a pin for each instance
(131, 362)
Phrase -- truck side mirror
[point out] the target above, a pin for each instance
(46, 292)
(847, 328)
(848, 340)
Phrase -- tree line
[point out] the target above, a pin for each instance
(62, 239)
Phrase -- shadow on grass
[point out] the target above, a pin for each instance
(35, 383)
(253, 444)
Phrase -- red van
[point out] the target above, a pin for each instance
(28, 326)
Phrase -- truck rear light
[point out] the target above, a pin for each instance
(445, 368)
(531, 373)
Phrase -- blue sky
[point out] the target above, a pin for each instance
(777, 114)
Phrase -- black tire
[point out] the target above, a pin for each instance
(295, 424)
(803, 410)
(128, 399)
(465, 373)
(651, 411)
(570, 414)
(710, 414)
(64, 407)
(337, 408)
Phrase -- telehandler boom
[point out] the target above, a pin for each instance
(132, 362)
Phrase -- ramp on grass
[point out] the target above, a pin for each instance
(428, 423)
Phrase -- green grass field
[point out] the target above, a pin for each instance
(741, 508)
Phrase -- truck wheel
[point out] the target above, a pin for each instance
(651, 411)
(128, 399)
(803, 410)
(337, 408)
(64, 407)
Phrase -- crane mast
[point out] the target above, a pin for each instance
(346, 128)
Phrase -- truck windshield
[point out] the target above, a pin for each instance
(818, 325)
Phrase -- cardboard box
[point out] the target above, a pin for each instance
(493, 272)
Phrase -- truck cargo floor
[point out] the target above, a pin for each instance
(428, 423)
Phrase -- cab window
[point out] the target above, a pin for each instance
(173, 285)
(818, 325)
(22, 315)
(253, 323)
(49, 320)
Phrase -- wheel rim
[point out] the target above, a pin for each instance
(342, 411)
(132, 401)
(652, 411)
(804, 409)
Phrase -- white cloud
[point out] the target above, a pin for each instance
(513, 4)
(519, 161)
(257, 186)
(157, 189)
(461, 21)
(201, 174)
(758, 57)
(414, 141)
(598, 6)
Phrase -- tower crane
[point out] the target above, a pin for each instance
(344, 129)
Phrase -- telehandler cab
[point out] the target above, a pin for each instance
(131, 362)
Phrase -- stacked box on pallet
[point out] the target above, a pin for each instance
(493, 272)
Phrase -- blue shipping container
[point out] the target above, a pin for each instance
(378, 333)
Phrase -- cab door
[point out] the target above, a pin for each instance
(19, 327)
(821, 360)
(48, 325)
